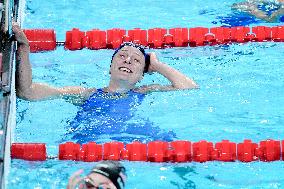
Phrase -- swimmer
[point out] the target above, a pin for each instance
(270, 11)
(105, 175)
(127, 68)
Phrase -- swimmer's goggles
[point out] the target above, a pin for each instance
(90, 184)
(114, 171)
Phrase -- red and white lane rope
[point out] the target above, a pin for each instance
(45, 39)
(157, 151)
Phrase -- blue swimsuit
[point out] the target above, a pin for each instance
(243, 19)
(105, 117)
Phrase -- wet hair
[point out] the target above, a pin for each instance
(140, 48)
(113, 170)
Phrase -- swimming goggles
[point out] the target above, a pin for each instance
(90, 184)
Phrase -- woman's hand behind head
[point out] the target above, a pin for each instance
(154, 63)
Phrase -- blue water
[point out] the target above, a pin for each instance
(240, 95)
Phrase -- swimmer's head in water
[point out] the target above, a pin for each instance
(112, 170)
(140, 48)
(129, 63)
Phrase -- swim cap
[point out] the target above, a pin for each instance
(140, 48)
(113, 170)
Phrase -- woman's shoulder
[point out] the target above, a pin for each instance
(85, 95)
(89, 92)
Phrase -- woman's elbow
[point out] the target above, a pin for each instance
(196, 87)
(192, 85)
(23, 96)
(26, 96)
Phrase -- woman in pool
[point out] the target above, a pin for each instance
(270, 11)
(105, 112)
(127, 68)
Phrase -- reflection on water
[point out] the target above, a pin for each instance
(184, 173)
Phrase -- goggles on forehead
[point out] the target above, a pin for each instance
(90, 184)
(114, 171)
(141, 48)
(130, 44)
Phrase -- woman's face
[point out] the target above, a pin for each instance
(95, 180)
(128, 65)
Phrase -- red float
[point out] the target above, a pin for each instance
(278, 33)
(226, 151)
(203, 151)
(113, 150)
(138, 36)
(124, 154)
(115, 37)
(169, 40)
(156, 37)
(29, 151)
(180, 151)
(197, 36)
(41, 39)
(269, 150)
(180, 37)
(69, 151)
(137, 151)
(75, 39)
(249, 37)
(239, 34)
(210, 39)
(221, 35)
(126, 38)
(247, 151)
(91, 152)
(282, 148)
(96, 39)
(158, 151)
(262, 33)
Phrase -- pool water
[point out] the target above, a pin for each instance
(240, 95)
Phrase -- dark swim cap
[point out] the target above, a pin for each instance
(113, 170)
(140, 48)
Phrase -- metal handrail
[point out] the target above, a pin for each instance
(7, 92)
(6, 47)
(9, 7)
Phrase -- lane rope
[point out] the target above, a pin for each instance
(45, 39)
(156, 151)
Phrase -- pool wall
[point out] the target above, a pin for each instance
(8, 95)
